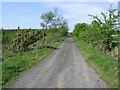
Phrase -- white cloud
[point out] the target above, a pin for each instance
(79, 8)
(76, 12)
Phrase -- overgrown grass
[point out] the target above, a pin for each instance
(104, 65)
(13, 67)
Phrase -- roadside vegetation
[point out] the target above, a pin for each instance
(105, 66)
(23, 48)
(99, 43)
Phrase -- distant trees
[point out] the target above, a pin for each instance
(52, 20)
(47, 19)
(18, 27)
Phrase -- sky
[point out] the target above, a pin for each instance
(26, 14)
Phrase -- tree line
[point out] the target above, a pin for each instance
(102, 33)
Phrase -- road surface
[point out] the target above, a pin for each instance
(64, 68)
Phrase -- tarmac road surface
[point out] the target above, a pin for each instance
(64, 68)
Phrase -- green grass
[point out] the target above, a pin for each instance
(0, 75)
(102, 63)
(0, 37)
(15, 66)
(8, 35)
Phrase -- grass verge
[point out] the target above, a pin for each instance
(104, 65)
(15, 66)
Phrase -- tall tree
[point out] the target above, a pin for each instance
(47, 18)
(53, 20)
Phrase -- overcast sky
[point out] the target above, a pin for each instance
(27, 14)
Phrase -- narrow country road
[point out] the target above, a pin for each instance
(64, 68)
